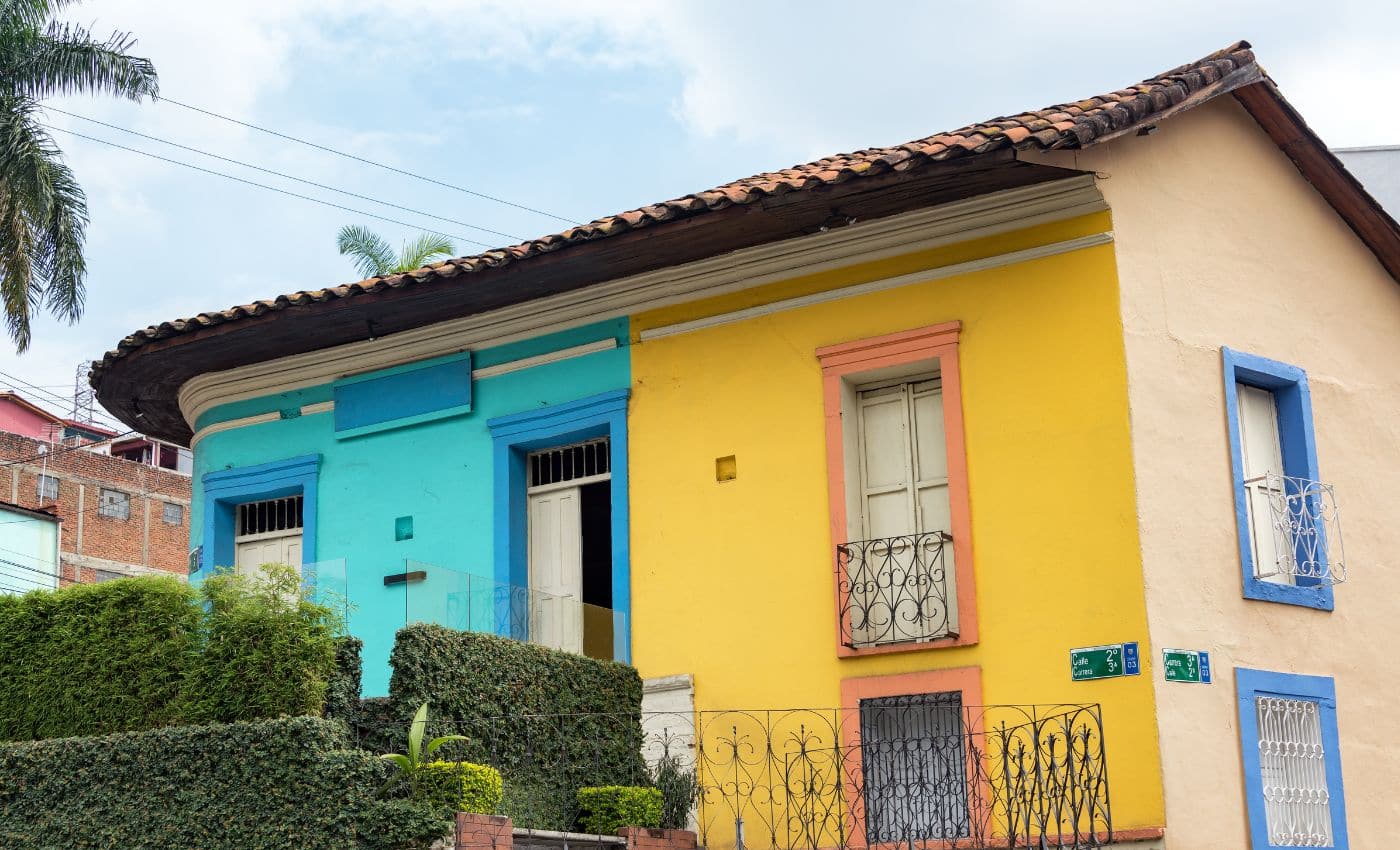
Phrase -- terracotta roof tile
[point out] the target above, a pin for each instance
(1060, 126)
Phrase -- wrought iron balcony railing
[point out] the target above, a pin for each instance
(896, 590)
(1305, 531)
(912, 772)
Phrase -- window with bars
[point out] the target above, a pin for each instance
(1293, 772)
(589, 459)
(914, 760)
(1292, 760)
(269, 516)
(172, 513)
(46, 487)
(113, 503)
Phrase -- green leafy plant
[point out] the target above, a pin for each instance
(267, 785)
(402, 825)
(551, 722)
(459, 785)
(606, 810)
(678, 791)
(374, 257)
(410, 762)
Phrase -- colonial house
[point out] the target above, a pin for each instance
(985, 488)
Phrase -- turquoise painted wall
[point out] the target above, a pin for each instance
(439, 473)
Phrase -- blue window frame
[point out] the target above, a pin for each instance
(1289, 385)
(226, 489)
(516, 435)
(1260, 746)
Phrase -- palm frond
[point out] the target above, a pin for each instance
(371, 255)
(67, 59)
(43, 218)
(419, 252)
(31, 14)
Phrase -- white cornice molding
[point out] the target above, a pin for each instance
(960, 221)
(1036, 253)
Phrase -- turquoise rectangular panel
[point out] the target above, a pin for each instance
(412, 393)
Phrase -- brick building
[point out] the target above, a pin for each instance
(119, 517)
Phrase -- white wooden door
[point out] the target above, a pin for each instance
(1263, 456)
(268, 549)
(556, 569)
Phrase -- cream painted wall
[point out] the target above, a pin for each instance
(1221, 242)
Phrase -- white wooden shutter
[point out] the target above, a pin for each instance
(556, 569)
(1262, 456)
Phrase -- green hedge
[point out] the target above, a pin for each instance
(343, 690)
(267, 785)
(142, 653)
(552, 722)
(460, 786)
(606, 810)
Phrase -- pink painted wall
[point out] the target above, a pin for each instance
(18, 419)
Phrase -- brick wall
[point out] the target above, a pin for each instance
(92, 545)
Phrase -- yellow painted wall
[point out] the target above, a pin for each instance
(732, 582)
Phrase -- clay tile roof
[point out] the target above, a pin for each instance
(1056, 127)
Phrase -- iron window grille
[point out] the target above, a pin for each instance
(896, 590)
(1306, 527)
(589, 459)
(1293, 772)
(46, 487)
(270, 516)
(114, 504)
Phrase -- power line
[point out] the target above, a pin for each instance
(320, 147)
(13, 381)
(263, 185)
(65, 450)
(282, 175)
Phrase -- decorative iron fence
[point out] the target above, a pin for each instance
(896, 590)
(914, 771)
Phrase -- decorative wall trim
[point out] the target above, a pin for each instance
(974, 218)
(939, 273)
(841, 364)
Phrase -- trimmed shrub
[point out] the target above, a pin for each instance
(343, 690)
(268, 651)
(96, 658)
(606, 810)
(403, 825)
(267, 785)
(551, 722)
(460, 786)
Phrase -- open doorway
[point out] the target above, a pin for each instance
(570, 548)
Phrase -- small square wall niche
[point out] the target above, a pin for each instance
(403, 528)
(726, 468)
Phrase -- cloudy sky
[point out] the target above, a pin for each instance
(581, 109)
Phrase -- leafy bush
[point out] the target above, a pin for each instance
(267, 785)
(96, 658)
(343, 690)
(608, 809)
(551, 722)
(268, 651)
(147, 652)
(403, 825)
(678, 789)
(459, 785)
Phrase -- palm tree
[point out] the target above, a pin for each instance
(43, 211)
(373, 257)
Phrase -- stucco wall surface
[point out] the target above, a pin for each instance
(439, 473)
(733, 580)
(1220, 242)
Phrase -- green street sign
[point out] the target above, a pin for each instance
(1104, 662)
(1186, 665)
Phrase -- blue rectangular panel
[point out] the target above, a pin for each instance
(403, 393)
(1205, 668)
(1131, 665)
